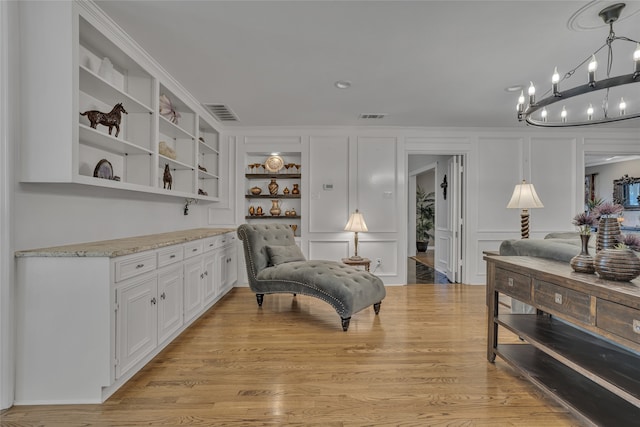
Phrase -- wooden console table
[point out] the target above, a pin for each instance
(582, 347)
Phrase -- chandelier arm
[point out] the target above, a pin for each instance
(580, 90)
(539, 123)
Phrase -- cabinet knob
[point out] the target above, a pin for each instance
(153, 301)
(194, 250)
(139, 265)
(172, 256)
(163, 296)
(206, 273)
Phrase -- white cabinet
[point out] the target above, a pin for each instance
(88, 323)
(93, 65)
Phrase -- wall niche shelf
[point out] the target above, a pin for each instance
(63, 148)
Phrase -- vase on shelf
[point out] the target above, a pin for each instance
(295, 190)
(608, 232)
(622, 265)
(583, 262)
(273, 187)
(275, 208)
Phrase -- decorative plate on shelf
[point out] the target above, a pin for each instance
(103, 170)
(274, 164)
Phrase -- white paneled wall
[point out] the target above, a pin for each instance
(367, 169)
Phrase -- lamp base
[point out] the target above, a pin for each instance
(355, 258)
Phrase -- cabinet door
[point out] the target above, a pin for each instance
(170, 307)
(193, 275)
(136, 320)
(231, 271)
(209, 285)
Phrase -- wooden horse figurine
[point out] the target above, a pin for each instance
(167, 179)
(110, 119)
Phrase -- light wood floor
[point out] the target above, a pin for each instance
(421, 362)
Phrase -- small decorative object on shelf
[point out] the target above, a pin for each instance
(608, 225)
(202, 168)
(252, 211)
(106, 70)
(294, 227)
(275, 208)
(256, 191)
(583, 262)
(619, 263)
(167, 110)
(110, 119)
(104, 170)
(166, 151)
(202, 192)
(273, 187)
(167, 179)
(285, 191)
(259, 211)
(295, 190)
(274, 164)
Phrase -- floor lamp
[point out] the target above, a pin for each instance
(356, 223)
(524, 197)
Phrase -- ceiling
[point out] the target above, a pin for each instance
(422, 63)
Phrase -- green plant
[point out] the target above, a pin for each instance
(425, 214)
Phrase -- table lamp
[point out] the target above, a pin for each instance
(524, 197)
(356, 223)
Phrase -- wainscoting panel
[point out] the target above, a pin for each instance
(377, 182)
(386, 250)
(328, 183)
(332, 250)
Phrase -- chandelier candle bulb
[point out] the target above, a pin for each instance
(532, 94)
(521, 102)
(636, 59)
(555, 79)
(622, 106)
(543, 115)
(593, 66)
(563, 115)
(590, 112)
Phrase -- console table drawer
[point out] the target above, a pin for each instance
(576, 305)
(618, 319)
(513, 284)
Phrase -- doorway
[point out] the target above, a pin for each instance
(444, 176)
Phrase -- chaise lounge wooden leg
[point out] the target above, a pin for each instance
(345, 323)
(376, 307)
(260, 298)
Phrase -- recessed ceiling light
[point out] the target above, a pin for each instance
(343, 84)
(514, 88)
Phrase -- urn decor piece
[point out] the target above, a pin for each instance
(295, 190)
(583, 262)
(275, 208)
(608, 225)
(621, 265)
(285, 191)
(273, 187)
(256, 191)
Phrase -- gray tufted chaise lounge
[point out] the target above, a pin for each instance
(275, 264)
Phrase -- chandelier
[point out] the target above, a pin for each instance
(536, 112)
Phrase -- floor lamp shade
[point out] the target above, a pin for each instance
(524, 197)
(356, 224)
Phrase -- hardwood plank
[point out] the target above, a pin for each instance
(421, 362)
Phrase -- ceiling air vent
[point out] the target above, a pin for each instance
(372, 116)
(222, 112)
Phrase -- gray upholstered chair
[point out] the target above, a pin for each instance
(275, 264)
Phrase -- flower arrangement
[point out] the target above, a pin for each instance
(584, 221)
(608, 209)
(629, 241)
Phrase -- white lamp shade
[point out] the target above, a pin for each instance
(356, 222)
(525, 197)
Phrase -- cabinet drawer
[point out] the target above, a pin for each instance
(513, 284)
(193, 248)
(134, 265)
(618, 319)
(212, 243)
(170, 255)
(576, 305)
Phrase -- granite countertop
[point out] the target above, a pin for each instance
(124, 246)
